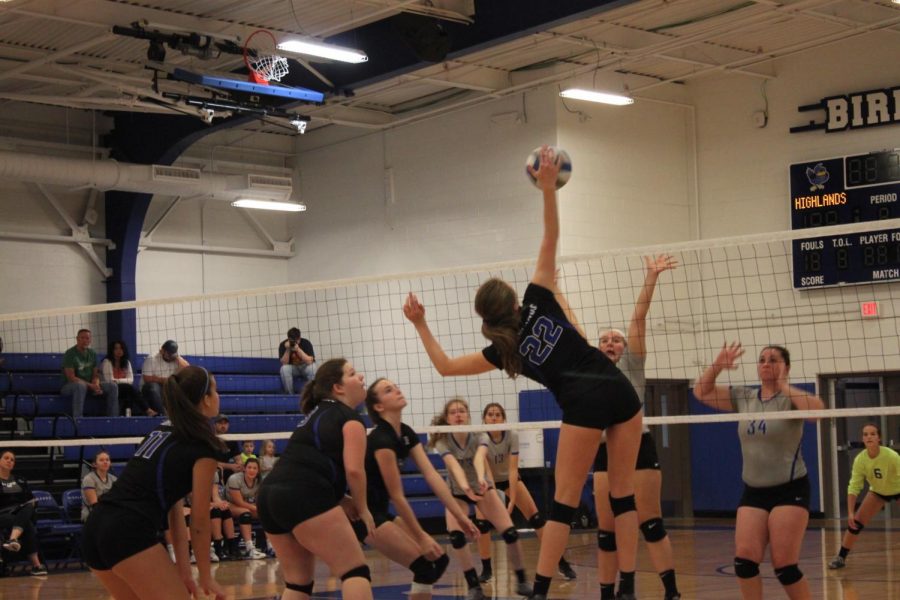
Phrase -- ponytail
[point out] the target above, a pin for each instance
(495, 303)
(182, 394)
(330, 374)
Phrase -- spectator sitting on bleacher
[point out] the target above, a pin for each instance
(232, 460)
(298, 359)
(16, 513)
(80, 375)
(243, 488)
(248, 451)
(267, 458)
(96, 483)
(116, 368)
(156, 370)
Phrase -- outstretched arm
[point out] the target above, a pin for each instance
(467, 364)
(637, 328)
(545, 270)
(706, 391)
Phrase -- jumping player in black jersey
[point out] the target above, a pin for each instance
(121, 534)
(299, 501)
(400, 537)
(541, 340)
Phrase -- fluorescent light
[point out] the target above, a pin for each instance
(592, 96)
(269, 205)
(323, 50)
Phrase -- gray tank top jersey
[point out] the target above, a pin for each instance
(633, 367)
(93, 481)
(499, 453)
(464, 455)
(771, 449)
(238, 483)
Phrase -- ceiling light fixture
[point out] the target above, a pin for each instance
(601, 97)
(269, 205)
(322, 50)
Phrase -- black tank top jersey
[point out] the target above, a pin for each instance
(553, 352)
(159, 474)
(318, 444)
(383, 437)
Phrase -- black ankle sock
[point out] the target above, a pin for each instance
(607, 591)
(626, 582)
(668, 581)
(520, 575)
(486, 565)
(472, 578)
(563, 562)
(541, 584)
(844, 552)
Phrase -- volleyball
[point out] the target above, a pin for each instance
(562, 157)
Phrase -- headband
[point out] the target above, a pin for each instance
(205, 385)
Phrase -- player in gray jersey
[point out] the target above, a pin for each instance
(465, 456)
(774, 508)
(629, 353)
(96, 483)
(503, 459)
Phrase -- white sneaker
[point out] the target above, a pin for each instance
(213, 557)
(193, 558)
(255, 554)
(171, 550)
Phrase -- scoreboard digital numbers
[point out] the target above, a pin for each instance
(836, 191)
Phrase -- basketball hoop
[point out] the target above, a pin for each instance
(263, 67)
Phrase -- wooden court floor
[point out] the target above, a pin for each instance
(703, 556)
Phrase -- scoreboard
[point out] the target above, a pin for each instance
(850, 189)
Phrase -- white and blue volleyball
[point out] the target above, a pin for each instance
(562, 157)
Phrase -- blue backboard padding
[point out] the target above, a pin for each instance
(223, 83)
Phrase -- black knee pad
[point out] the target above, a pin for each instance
(789, 574)
(622, 505)
(537, 520)
(245, 519)
(745, 568)
(362, 571)
(855, 531)
(440, 565)
(306, 588)
(483, 525)
(424, 571)
(457, 539)
(511, 536)
(606, 540)
(562, 513)
(359, 529)
(653, 530)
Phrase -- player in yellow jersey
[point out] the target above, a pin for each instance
(880, 468)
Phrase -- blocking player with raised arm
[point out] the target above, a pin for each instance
(401, 537)
(880, 468)
(120, 540)
(541, 340)
(629, 353)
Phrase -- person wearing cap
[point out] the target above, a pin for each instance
(156, 370)
(298, 359)
(232, 460)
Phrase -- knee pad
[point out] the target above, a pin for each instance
(457, 539)
(419, 588)
(653, 530)
(511, 536)
(537, 520)
(245, 519)
(483, 525)
(359, 529)
(423, 571)
(622, 505)
(606, 540)
(789, 574)
(855, 531)
(562, 513)
(362, 571)
(305, 589)
(745, 568)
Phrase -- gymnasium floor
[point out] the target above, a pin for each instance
(703, 551)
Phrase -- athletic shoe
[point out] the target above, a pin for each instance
(475, 593)
(626, 597)
(485, 576)
(193, 558)
(12, 545)
(255, 554)
(213, 557)
(523, 589)
(39, 570)
(537, 597)
(566, 570)
(839, 562)
(675, 597)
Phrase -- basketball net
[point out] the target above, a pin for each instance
(263, 66)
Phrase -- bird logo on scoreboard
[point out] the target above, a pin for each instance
(818, 176)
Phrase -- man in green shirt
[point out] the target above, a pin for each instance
(81, 376)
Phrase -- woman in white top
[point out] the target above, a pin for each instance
(96, 483)
(116, 368)
(243, 488)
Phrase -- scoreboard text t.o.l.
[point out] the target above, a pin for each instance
(836, 191)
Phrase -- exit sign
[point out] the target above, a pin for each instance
(869, 309)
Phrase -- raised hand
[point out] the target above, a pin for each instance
(729, 355)
(547, 171)
(413, 309)
(660, 263)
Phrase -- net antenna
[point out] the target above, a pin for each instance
(264, 66)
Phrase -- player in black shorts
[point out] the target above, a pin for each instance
(121, 543)
(401, 538)
(542, 340)
(629, 353)
(299, 501)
